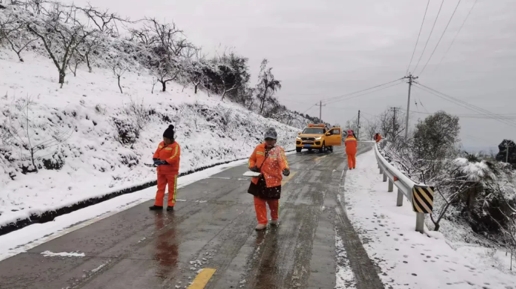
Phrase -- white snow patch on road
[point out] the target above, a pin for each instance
(407, 258)
(98, 268)
(62, 254)
(31, 236)
(345, 276)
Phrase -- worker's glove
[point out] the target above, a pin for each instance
(286, 172)
(254, 169)
(160, 163)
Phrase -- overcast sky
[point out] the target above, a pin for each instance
(327, 48)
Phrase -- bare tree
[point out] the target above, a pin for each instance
(227, 79)
(371, 128)
(391, 124)
(104, 21)
(161, 41)
(118, 70)
(60, 40)
(267, 85)
(12, 29)
(196, 64)
(90, 44)
(74, 63)
(166, 70)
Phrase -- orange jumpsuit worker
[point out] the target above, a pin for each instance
(351, 149)
(166, 159)
(377, 137)
(270, 160)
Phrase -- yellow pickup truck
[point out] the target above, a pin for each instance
(320, 137)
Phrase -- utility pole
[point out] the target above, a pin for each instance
(358, 124)
(320, 109)
(411, 79)
(394, 109)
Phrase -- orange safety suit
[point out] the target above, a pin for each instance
(351, 150)
(167, 174)
(268, 191)
(378, 137)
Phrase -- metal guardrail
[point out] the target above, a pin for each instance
(420, 195)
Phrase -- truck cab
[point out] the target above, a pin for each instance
(320, 137)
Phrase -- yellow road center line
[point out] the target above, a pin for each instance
(202, 278)
(285, 180)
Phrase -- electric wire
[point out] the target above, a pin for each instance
(466, 105)
(359, 91)
(473, 115)
(431, 31)
(463, 104)
(418, 35)
(455, 37)
(354, 95)
(442, 35)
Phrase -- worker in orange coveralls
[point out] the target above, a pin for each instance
(351, 149)
(377, 137)
(166, 159)
(270, 160)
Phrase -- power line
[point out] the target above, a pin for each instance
(473, 115)
(455, 37)
(352, 95)
(359, 91)
(431, 31)
(442, 35)
(309, 108)
(418, 35)
(464, 104)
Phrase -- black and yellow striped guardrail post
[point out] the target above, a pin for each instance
(422, 203)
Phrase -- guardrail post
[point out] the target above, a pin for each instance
(422, 203)
(391, 185)
(420, 222)
(384, 177)
(399, 201)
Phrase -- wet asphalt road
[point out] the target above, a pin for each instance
(212, 227)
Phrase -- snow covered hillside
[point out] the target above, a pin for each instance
(88, 139)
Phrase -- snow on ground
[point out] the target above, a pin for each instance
(62, 254)
(90, 136)
(29, 237)
(345, 276)
(406, 258)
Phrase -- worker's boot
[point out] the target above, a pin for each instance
(260, 227)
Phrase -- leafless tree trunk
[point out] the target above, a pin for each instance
(59, 41)
(118, 71)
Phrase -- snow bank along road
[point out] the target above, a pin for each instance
(209, 241)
